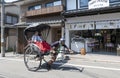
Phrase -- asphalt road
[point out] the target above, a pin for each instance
(68, 69)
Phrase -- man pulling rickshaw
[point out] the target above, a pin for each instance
(38, 47)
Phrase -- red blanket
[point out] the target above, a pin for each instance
(43, 46)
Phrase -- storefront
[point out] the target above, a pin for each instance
(94, 33)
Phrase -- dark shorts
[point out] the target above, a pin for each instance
(54, 54)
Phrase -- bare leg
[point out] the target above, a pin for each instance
(53, 58)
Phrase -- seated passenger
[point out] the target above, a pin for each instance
(38, 40)
(37, 37)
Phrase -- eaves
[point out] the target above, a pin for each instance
(86, 12)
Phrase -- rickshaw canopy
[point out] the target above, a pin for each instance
(43, 28)
(36, 27)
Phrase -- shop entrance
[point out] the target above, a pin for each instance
(106, 40)
(56, 34)
(102, 40)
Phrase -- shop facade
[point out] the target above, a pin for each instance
(95, 33)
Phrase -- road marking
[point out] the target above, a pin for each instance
(2, 76)
(88, 66)
(12, 59)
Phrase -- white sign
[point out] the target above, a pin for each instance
(81, 26)
(98, 4)
(106, 25)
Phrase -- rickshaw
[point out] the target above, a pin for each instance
(32, 50)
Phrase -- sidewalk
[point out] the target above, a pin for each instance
(98, 57)
(102, 57)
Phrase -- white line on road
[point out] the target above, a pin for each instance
(2, 76)
(95, 67)
(86, 66)
(12, 59)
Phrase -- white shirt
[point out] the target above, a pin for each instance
(36, 38)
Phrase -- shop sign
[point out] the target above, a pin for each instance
(81, 26)
(106, 25)
(91, 26)
(98, 4)
(100, 26)
(78, 26)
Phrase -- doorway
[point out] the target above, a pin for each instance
(56, 34)
(107, 40)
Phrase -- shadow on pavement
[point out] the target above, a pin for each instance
(60, 65)
(67, 68)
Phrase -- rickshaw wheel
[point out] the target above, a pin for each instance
(30, 61)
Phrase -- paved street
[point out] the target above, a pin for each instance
(89, 29)
(79, 68)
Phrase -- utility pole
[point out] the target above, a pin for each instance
(2, 29)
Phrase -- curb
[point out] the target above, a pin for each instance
(20, 57)
(95, 60)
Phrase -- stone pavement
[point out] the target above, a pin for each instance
(96, 56)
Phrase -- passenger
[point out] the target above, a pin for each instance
(40, 42)
(37, 37)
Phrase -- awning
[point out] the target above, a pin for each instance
(50, 22)
(24, 24)
(53, 23)
(21, 24)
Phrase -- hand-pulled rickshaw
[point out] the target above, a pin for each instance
(32, 50)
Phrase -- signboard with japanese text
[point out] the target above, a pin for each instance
(81, 26)
(107, 25)
(98, 4)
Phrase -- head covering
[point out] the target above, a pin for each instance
(62, 39)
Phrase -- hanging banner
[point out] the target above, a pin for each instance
(98, 4)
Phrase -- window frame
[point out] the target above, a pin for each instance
(71, 9)
(8, 19)
(78, 5)
(14, 20)
(50, 5)
(33, 7)
(114, 1)
(11, 20)
(57, 1)
(82, 6)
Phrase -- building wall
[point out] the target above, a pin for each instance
(25, 7)
(10, 34)
(54, 20)
(12, 9)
